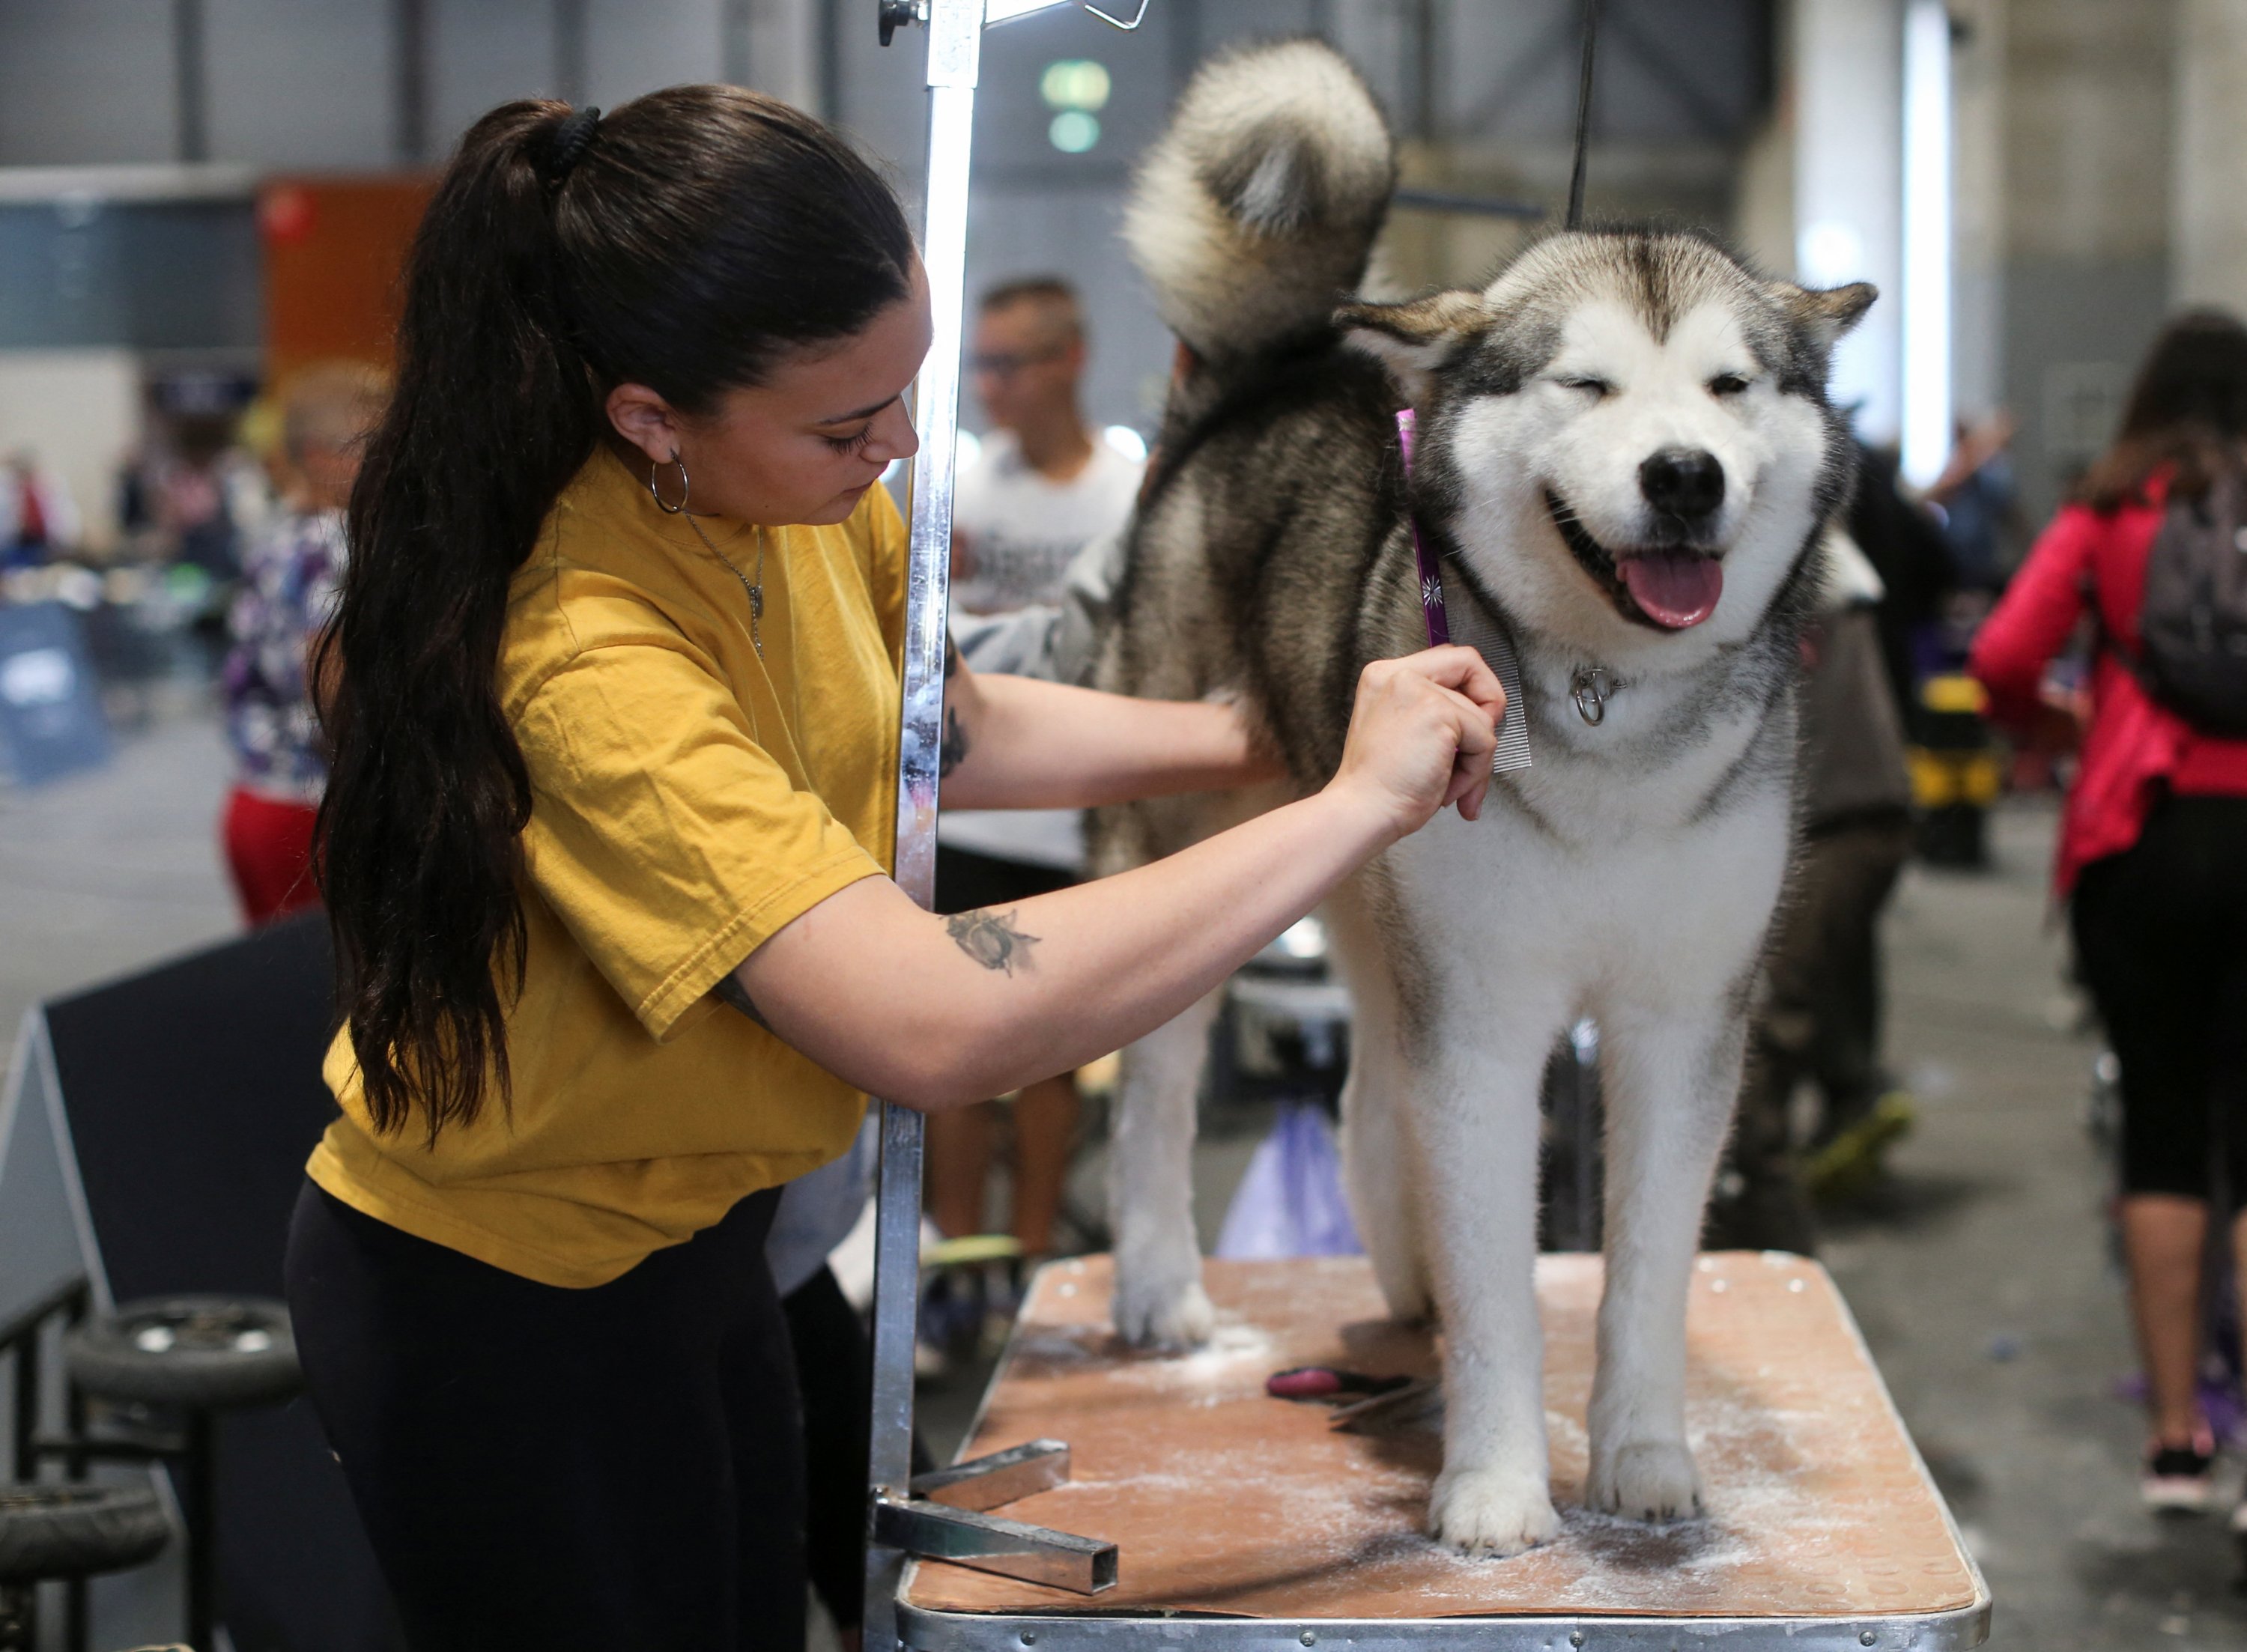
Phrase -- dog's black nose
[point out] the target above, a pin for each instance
(1682, 482)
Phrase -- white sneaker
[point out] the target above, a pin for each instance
(2180, 1480)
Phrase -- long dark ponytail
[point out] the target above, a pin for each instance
(684, 243)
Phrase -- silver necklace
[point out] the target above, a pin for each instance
(756, 587)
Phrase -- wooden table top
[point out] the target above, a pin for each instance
(1224, 1501)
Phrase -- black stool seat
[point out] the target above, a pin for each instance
(198, 1356)
(195, 1353)
(77, 1530)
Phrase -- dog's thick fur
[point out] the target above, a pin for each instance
(1630, 874)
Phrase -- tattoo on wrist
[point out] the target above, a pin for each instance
(991, 940)
(733, 993)
(951, 658)
(952, 751)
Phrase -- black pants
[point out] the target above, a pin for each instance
(611, 1470)
(833, 1371)
(2160, 935)
(1821, 1019)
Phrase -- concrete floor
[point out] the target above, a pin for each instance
(1979, 1272)
(102, 873)
(1982, 1277)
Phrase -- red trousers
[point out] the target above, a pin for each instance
(269, 849)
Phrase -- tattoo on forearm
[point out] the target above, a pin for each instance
(991, 940)
(952, 751)
(731, 990)
(951, 658)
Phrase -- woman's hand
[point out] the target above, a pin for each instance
(1421, 735)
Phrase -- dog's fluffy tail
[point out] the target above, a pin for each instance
(1254, 213)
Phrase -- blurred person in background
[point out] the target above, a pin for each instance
(1905, 545)
(1820, 1016)
(2153, 857)
(193, 493)
(291, 574)
(1974, 496)
(38, 519)
(1044, 486)
(194, 506)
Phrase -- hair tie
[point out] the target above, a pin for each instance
(571, 139)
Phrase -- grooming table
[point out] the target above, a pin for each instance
(1246, 1522)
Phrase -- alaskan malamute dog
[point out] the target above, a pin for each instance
(1625, 457)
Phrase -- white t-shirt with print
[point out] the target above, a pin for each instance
(1020, 530)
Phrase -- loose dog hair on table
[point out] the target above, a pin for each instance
(1625, 461)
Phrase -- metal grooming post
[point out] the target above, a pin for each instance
(1591, 39)
(943, 1515)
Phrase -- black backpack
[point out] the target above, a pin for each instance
(2192, 625)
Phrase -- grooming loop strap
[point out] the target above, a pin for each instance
(1479, 630)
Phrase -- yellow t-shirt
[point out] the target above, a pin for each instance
(688, 800)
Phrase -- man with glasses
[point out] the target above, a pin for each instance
(1044, 484)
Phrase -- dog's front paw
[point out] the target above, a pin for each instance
(1645, 1480)
(1162, 1311)
(1492, 1512)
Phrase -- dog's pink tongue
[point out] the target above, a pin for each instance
(1675, 588)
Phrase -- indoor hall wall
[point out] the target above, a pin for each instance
(312, 85)
(300, 85)
(83, 82)
(1486, 106)
(1979, 209)
(632, 47)
(2088, 119)
(2209, 212)
(484, 52)
(1848, 68)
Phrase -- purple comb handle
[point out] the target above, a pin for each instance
(1431, 578)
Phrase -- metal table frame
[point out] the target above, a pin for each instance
(1954, 1631)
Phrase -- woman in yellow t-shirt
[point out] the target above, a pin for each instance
(612, 697)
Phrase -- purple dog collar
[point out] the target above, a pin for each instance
(1483, 632)
(1432, 577)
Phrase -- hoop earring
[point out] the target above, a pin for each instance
(653, 493)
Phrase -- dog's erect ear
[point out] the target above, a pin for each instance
(1825, 314)
(1412, 339)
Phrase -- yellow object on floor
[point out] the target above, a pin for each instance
(1849, 1163)
(970, 1249)
(1941, 778)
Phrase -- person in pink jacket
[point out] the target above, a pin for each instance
(2152, 860)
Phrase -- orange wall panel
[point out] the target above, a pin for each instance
(334, 247)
